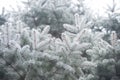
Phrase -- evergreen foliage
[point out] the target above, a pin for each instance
(35, 54)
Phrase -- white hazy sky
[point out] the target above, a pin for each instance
(8, 4)
(97, 6)
(100, 6)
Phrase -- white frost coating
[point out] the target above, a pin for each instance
(81, 78)
(74, 45)
(37, 34)
(83, 46)
(66, 37)
(14, 45)
(82, 23)
(42, 44)
(77, 19)
(66, 40)
(45, 30)
(25, 49)
(89, 51)
(50, 57)
(90, 76)
(25, 32)
(79, 35)
(65, 66)
(70, 28)
(77, 53)
(88, 64)
(99, 35)
(105, 61)
(113, 38)
(53, 53)
(31, 61)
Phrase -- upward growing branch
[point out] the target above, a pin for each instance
(7, 30)
(113, 38)
(34, 43)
